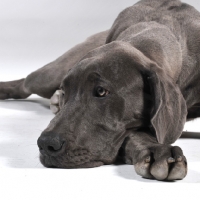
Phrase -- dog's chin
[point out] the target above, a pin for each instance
(50, 162)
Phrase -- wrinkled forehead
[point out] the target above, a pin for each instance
(83, 70)
(112, 65)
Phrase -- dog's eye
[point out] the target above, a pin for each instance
(101, 92)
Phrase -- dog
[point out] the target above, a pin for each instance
(125, 92)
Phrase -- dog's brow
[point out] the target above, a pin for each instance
(94, 76)
(65, 82)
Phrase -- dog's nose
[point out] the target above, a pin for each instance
(49, 145)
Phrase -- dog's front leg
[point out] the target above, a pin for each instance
(56, 101)
(153, 160)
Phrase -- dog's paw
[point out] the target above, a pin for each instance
(3, 94)
(162, 163)
(55, 102)
(6, 90)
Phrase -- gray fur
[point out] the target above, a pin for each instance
(148, 62)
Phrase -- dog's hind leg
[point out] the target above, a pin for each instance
(46, 80)
(13, 89)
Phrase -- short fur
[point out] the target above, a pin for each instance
(148, 62)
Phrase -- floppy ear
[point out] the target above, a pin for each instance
(169, 108)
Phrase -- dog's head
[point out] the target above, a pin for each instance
(112, 89)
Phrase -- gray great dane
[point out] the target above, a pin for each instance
(126, 92)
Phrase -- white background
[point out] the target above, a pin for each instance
(33, 33)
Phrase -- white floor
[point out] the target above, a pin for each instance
(34, 33)
(22, 176)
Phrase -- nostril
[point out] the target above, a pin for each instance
(55, 148)
(50, 148)
(54, 145)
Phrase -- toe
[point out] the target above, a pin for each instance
(177, 153)
(55, 109)
(178, 170)
(54, 102)
(160, 169)
(142, 167)
(55, 98)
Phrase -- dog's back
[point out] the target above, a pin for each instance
(172, 13)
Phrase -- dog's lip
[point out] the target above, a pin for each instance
(70, 165)
(76, 158)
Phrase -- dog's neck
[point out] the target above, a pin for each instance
(157, 43)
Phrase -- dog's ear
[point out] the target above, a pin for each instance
(169, 109)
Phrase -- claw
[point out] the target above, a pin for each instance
(171, 160)
(148, 159)
(179, 158)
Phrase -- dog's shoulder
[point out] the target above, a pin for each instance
(171, 13)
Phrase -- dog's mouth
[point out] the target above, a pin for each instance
(71, 159)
